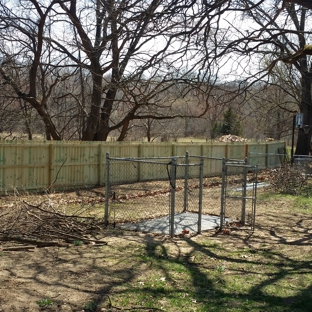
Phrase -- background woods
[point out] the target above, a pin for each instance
(118, 70)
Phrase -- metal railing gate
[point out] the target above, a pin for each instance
(172, 191)
(238, 194)
(140, 197)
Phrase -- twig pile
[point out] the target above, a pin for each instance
(288, 179)
(42, 225)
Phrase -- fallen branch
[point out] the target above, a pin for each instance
(17, 248)
(27, 240)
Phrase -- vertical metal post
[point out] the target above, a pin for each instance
(244, 192)
(107, 188)
(186, 173)
(254, 199)
(293, 140)
(173, 185)
(200, 203)
(222, 212)
(100, 171)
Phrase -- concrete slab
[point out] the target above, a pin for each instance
(182, 221)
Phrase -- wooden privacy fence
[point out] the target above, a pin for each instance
(36, 166)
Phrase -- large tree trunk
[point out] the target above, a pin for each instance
(304, 135)
(94, 116)
(51, 131)
(124, 130)
(104, 129)
(148, 130)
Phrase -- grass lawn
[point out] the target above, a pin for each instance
(269, 270)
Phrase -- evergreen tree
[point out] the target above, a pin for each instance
(231, 124)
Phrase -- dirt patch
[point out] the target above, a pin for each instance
(74, 277)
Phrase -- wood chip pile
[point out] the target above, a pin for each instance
(231, 138)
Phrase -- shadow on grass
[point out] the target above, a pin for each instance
(217, 276)
(267, 272)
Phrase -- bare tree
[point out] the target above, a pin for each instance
(106, 67)
(135, 42)
(23, 47)
(305, 3)
(131, 52)
(279, 34)
(271, 110)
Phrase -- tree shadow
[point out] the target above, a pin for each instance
(235, 272)
(264, 270)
